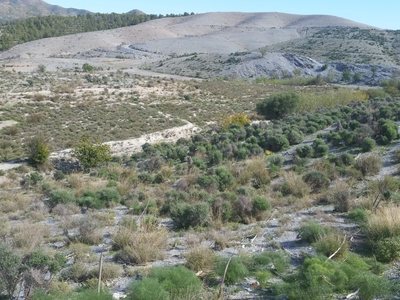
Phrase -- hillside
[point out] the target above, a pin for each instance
(262, 44)
(19, 9)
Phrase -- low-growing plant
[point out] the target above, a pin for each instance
(312, 232)
(167, 283)
(236, 270)
(387, 250)
(332, 243)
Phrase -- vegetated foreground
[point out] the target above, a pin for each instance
(302, 207)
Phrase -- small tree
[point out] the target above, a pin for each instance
(278, 105)
(39, 151)
(91, 154)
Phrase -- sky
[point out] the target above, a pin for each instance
(382, 14)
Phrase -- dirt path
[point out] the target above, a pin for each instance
(130, 146)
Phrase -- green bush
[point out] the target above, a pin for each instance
(304, 151)
(91, 154)
(148, 288)
(38, 151)
(312, 232)
(319, 278)
(277, 261)
(108, 195)
(167, 283)
(277, 142)
(260, 205)
(320, 148)
(387, 250)
(371, 286)
(387, 131)
(295, 137)
(316, 180)
(61, 196)
(358, 215)
(236, 272)
(224, 178)
(187, 215)
(278, 105)
(368, 144)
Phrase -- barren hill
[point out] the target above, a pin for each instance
(204, 33)
(203, 45)
(18, 9)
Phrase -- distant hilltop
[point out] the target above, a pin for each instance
(20, 9)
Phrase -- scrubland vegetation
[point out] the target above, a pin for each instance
(305, 206)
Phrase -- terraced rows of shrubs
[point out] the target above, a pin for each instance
(237, 174)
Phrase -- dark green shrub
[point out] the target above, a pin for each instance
(295, 137)
(38, 151)
(304, 151)
(108, 195)
(277, 142)
(224, 178)
(236, 272)
(320, 148)
(278, 105)
(260, 205)
(187, 215)
(387, 131)
(312, 232)
(214, 157)
(316, 180)
(208, 182)
(368, 145)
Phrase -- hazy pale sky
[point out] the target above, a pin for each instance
(383, 13)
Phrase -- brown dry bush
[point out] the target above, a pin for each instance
(294, 185)
(200, 259)
(369, 164)
(141, 246)
(89, 231)
(385, 222)
(29, 237)
(340, 196)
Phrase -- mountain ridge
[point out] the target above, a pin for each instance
(19, 9)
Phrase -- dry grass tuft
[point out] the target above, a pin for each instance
(200, 259)
(385, 222)
(140, 246)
